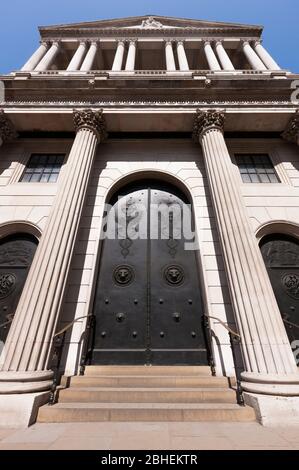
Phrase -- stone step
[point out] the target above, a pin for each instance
(147, 370)
(97, 412)
(147, 381)
(147, 395)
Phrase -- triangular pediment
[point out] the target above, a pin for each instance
(154, 22)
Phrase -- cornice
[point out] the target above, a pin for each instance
(115, 32)
(154, 102)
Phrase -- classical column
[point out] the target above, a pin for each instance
(130, 63)
(211, 57)
(24, 360)
(90, 57)
(7, 129)
(223, 56)
(35, 58)
(183, 62)
(291, 133)
(119, 56)
(252, 57)
(170, 62)
(267, 354)
(265, 56)
(49, 58)
(77, 59)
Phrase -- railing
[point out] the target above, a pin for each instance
(3, 325)
(235, 340)
(287, 322)
(151, 72)
(58, 346)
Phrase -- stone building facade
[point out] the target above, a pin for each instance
(195, 109)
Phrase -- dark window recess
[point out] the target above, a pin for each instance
(43, 168)
(256, 168)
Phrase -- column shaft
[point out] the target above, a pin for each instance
(35, 58)
(223, 57)
(211, 57)
(29, 340)
(266, 349)
(77, 59)
(119, 56)
(265, 57)
(252, 57)
(90, 57)
(183, 62)
(130, 63)
(170, 62)
(49, 58)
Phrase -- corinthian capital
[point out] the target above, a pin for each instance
(206, 120)
(7, 130)
(291, 133)
(93, 120)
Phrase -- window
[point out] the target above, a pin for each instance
(43, 168)
(256, 168)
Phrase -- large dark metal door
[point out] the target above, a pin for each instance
(16, 254)
(281, 256)
(148, 306)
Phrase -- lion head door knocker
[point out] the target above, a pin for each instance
(123, 275)
(7, 284)
(174, 275)
(290, 283)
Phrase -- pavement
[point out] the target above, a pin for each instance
(150, 436)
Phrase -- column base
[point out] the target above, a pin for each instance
(274, 410)
(21, 410)
(12, 382)
(268, 384)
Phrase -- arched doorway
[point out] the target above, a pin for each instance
(281, 256)
(148, 305)
(16, 255)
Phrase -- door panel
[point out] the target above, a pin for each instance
(176, 330)
(16, 254)
(281, 256)
(121, 297)
(148, 306)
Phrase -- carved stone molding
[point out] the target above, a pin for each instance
(7, 130)
(291, 133)
(93, 120)
(206, 120)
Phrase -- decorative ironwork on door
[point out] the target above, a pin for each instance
(16, 254)
(148, 306)
(281, 256)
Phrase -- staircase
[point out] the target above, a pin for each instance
(146, 393)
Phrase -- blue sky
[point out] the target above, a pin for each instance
(19, 20)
